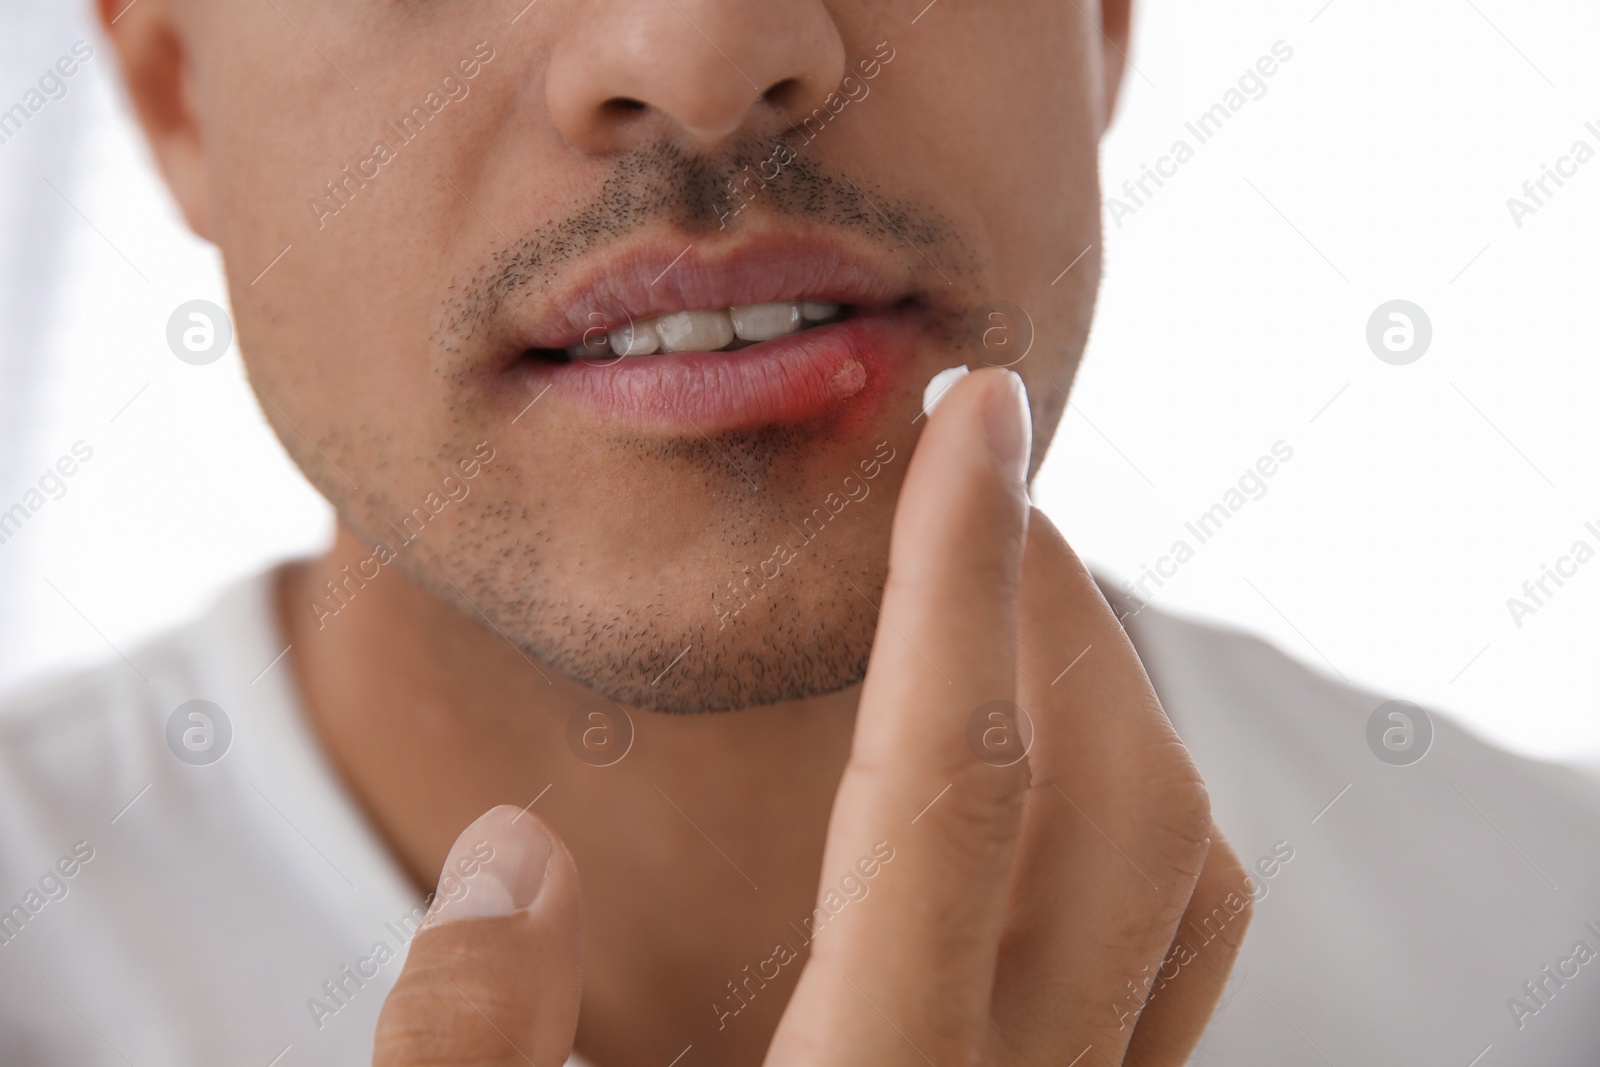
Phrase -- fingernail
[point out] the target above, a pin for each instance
(939, 385)
(496, 867)
(1010, 425)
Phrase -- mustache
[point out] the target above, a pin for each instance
(705, 193)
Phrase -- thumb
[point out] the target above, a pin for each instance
(495, 973)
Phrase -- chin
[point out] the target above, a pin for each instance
(772, 652)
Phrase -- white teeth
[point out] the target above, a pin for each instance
(763, 322)
(706, 330)
(694, 331)
(637, 339)
(593, 346)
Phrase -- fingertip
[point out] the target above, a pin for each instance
(1002, 396)
(1008, 424)
(496, 867)
(509, 982)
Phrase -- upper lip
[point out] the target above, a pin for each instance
(655, 276)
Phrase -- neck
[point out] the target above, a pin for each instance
(698, 850)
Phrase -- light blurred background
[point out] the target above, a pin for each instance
(1375, 166)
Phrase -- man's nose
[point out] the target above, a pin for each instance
(699, 71)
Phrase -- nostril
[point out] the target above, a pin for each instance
(781, 92)
(623, 105)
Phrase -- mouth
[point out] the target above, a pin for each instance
(772, 330)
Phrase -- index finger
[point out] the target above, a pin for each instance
(917, 954)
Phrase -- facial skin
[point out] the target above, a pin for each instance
(384, 347)
(965, 170)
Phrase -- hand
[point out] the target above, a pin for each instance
(1028, 914)
(1076, 906)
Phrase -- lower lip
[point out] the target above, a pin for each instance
(790, 379)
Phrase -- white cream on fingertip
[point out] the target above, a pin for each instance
(940, 384)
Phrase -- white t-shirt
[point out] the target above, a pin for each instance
(159, 912)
